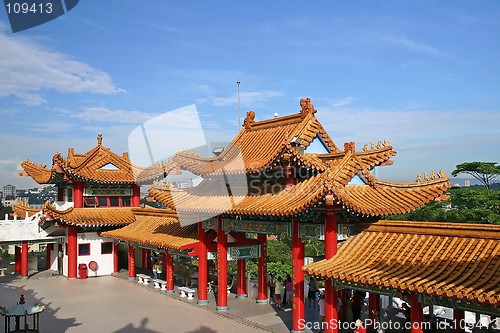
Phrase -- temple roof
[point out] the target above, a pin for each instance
(459, 261)
(158, 228)
(99, 165)
(376, 198)
(260, 143)
(21, 209)
(90, 217)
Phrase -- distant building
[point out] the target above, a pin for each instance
(9, 192)
(467, 183)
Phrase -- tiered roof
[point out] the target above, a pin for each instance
(266, 144)
(98, 165)
(260, 143)
(90, 217)
(458, 261)
(157, 228)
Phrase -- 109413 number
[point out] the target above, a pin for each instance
(27, 8)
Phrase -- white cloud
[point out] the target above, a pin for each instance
(101, 114)
(247, 98)
(26, 68)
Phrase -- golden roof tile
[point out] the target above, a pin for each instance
(159, 228)
(99, 164)
(460, 261)
(259, 144)
(91, 217)
(21, 209)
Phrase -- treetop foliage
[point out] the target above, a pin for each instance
(485, 172)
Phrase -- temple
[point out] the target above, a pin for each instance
(284, 177)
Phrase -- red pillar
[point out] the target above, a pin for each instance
(149, 264)
(458, 317)
(331, 311)
(24, 260)
(415, 314)
(78, 194)
(373, 306)
(241, 292)
(298, 279)
(202, 266)
(131, 262)
(221, 267)
(60, 193)
(17, 267)
(145, 260)
(116, 269)
(72, 251)
(48, 256)
(169, 272)
(136, 196)
(262, 271)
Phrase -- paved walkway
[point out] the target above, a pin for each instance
(116, 304)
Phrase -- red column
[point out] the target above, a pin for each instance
(298, 279)
(116, 269)
(78, 194)
(202, 266)
(17, 267)
(458, 317)
(221, 267)
(48, 256)
(72, 251)
(24, 260)
(145, 260)
(169, 272)
(373, 306)
(60, 193)
(416, 314)
(242, 279)
(136, 196)
(131, 262)
(262, 271)
(331, 311)
(149, 264)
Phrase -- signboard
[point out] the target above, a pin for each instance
(312, 231)
(109, 192)
(238, 252)
(278, 228)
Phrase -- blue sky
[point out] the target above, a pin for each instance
(423, 75)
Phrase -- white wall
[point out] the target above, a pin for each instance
(104, 261)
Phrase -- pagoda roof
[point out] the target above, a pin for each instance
(21, 210)
(98, 165)
(260, 143)
(90, 217)
(457, 261)
(376, 198)
(158, 228)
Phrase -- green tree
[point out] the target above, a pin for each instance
(485, 172)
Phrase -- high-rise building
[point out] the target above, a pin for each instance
(9, 192)
(467, 183)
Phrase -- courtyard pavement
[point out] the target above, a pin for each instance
(117, 304)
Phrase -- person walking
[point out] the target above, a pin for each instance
(271, 284)
(311, 294)
(155, 270)
(289, 292)
(278, 288)
(159, 269)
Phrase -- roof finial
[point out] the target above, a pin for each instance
(307, 107)
(99, 139)
(249, 120)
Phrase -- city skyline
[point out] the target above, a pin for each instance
(422, 75)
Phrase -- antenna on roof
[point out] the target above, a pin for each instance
(239, 118)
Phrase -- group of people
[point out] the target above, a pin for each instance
(280, 291)
(157, 268)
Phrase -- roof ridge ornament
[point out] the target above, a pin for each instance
(99, 139)
(307, 107)
(249, 120)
